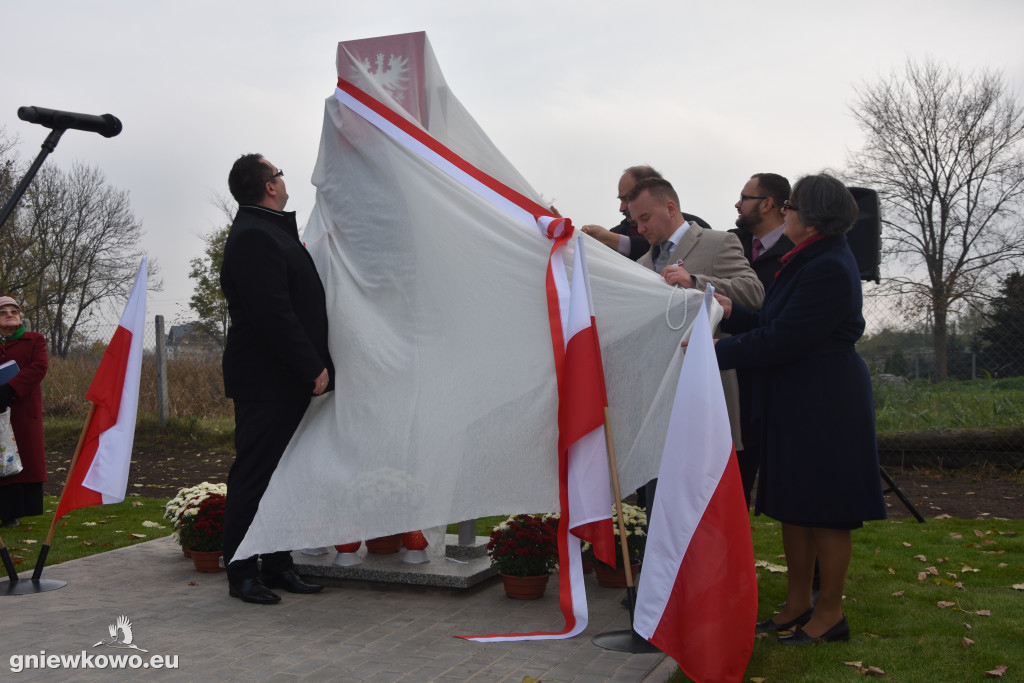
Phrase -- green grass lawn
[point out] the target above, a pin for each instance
(920, 405)
(84, 532)
(914, 593)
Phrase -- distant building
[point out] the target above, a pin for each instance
(188, 341)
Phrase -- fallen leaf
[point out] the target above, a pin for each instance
(856, 665)
(965, 568)
(136, 503)
(979, 533)
(966, 642)
(192, 583)
(88, 523)
(898, 594)
(921, 576)
(943, 604)
(984, 613)
(933, 571)
(18, 559)
(137, 535)
(959, 585)
(969, 627)
(944, 516)
(872, 671)
(877, 551)
(996, 672)
(906, 545)
(921, 557)
(1018, 586)
(30, 540)
(892, 571)
(951, 575)
(1002, 564)
(152, 525)
(757, 679)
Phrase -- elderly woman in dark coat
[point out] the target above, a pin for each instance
(21, 495)
(813, 404)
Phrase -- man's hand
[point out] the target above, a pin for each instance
(677, 275)
(602, 235)
(726, 304)
(320, 383)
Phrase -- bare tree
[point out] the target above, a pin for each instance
(84, 250)
(945, 150)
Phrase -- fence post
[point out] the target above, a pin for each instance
(162, 409)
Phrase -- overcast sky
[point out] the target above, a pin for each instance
(572, 92)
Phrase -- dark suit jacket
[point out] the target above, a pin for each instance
(811, 391)
(768, 262)
(277, 341)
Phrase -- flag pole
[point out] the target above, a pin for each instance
(5, 554)
(621, 641)
(45, 550)
(617, 492)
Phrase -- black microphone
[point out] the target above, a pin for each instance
(107, 125)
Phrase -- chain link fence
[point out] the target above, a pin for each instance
(975, 416)
(195, 383)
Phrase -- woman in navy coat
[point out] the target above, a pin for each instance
(812, 402)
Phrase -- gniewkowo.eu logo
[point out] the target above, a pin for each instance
(121, 637)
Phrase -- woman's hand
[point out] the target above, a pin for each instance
(726, 304)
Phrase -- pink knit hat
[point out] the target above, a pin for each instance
(8, 301)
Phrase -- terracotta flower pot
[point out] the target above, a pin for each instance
(186, 551)
(524, 587)
(614, 578)
(207, 561)
(385, 545)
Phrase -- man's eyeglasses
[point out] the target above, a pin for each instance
(745, 197)
(789, 206)
(279, 173)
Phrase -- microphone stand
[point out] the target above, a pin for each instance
(48, 146)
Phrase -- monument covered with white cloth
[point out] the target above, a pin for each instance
(439, 279)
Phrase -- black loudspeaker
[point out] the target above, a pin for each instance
(865, 237)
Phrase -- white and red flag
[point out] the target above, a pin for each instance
(581, 403)
(584, 483)
(100, 474)
(697, 601)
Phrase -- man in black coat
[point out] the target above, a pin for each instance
(759, 227)
(275, 360)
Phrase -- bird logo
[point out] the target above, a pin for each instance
(121, 635)
(393, 77)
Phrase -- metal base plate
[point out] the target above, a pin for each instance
(623, 641)
(27, 586)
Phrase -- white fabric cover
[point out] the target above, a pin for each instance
(446, 399)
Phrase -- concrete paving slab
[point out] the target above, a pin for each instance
(354, 631)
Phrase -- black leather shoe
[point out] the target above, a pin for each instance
(252, 590)
(292, 582)
(840, 633)
(770, 625)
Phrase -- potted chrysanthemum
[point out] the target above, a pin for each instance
(635, 523)
(524, 550)
(188, 499)
(202, 529)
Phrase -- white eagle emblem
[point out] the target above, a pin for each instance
(394, 77)
(124, 626)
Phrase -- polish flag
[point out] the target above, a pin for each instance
(100, 473)
(697, 601)
(581, 403)
(584, 482)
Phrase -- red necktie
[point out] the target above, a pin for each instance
(756, 251)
